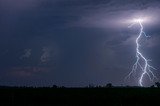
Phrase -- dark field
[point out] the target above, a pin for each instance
(79, 96)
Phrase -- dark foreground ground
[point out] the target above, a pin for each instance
(80, 97)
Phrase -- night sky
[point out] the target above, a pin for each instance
(74, 42)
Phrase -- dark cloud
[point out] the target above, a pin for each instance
(73, 42)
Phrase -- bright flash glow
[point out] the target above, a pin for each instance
(139, 20)
(141, 64)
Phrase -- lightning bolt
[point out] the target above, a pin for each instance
(141, 62)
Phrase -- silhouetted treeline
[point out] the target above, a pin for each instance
(109, 85)
(91, 95)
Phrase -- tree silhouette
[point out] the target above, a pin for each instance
(157, 84)
(54, 86)
(91, 86)
(152, 86)
(109, 85)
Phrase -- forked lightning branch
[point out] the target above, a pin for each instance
(141, 65)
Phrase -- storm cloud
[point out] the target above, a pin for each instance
(73, 42)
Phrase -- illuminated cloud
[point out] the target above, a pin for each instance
(46, 54)
(27, 54)
(120, 14)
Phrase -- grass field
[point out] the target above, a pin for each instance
(79, 96)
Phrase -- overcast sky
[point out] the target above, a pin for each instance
(74, 42)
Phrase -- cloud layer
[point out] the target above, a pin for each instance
(74, 42)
